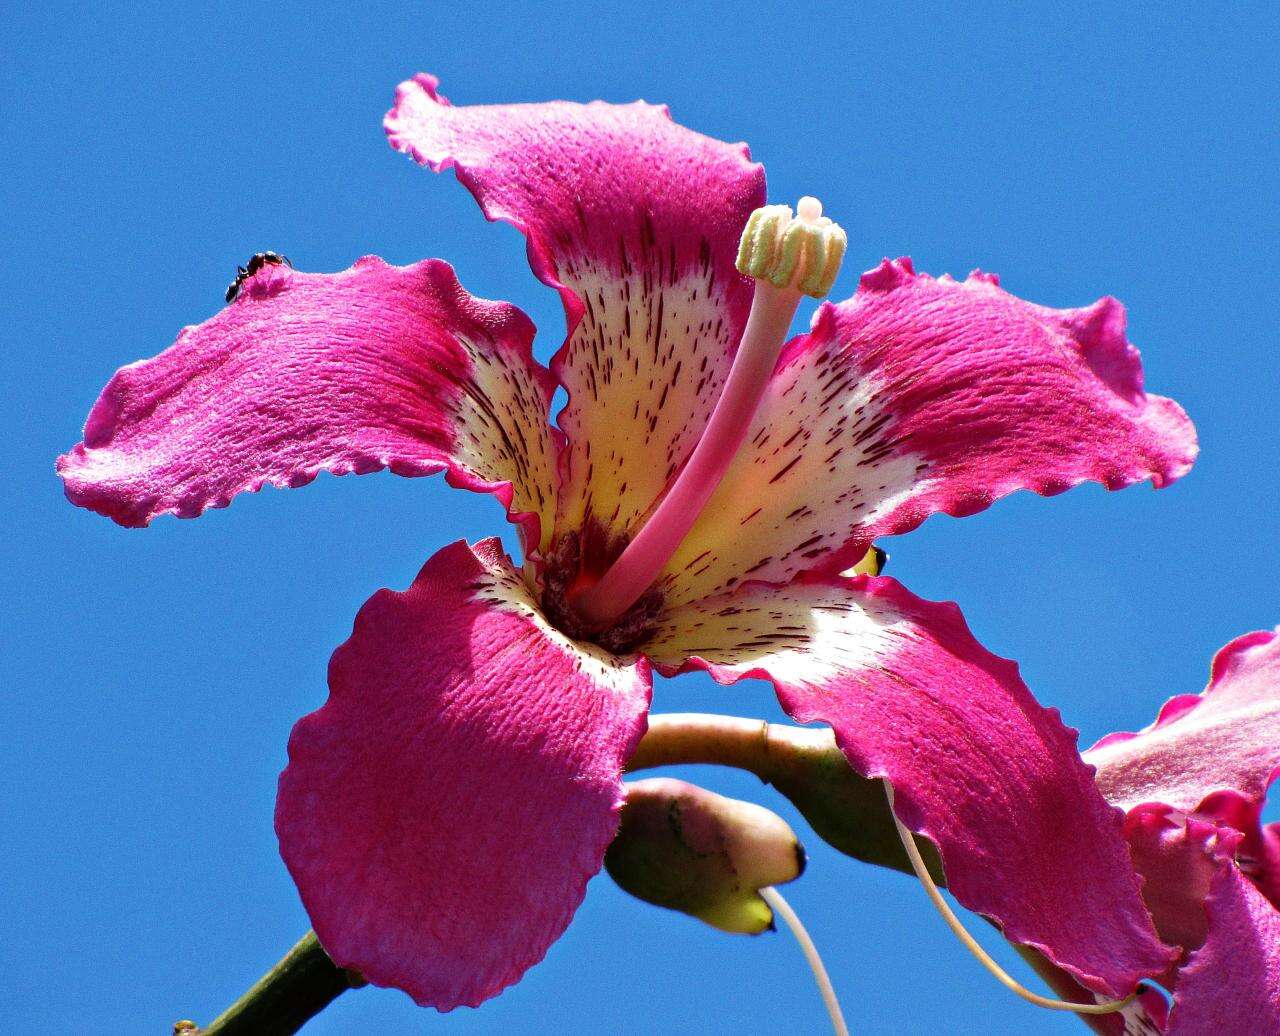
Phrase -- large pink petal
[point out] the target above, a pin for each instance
(1226, 739)
(378, 366)
(918, 396)
(442, 813)
(977, 766)
(635, 220)
(1232, 983)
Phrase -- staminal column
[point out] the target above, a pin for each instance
(789, 257)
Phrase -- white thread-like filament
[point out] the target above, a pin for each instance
(970, 943)
(782, 908)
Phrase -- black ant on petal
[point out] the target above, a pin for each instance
(256, 263)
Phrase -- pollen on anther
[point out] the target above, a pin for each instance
(801, 252)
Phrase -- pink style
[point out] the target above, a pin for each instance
(444, 810)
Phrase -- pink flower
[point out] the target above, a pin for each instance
(444, 810)
(1193, 786)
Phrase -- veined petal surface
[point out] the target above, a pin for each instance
(921, 395)
(442, 813)
(1226, 739)
(976, 764)
(636, 221)
(375, 367)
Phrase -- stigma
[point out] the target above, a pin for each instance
(789, 255)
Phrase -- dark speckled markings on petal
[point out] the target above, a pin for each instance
(919, 396)
(636, 220)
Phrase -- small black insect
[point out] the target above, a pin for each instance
(256, 263)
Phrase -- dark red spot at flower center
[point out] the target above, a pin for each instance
(578, 559)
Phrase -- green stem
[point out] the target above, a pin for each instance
(846, 810)
(280, 1003)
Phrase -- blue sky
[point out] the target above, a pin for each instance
(151, 678)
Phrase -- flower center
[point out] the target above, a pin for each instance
(789, 256)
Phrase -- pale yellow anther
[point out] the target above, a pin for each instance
(801, 251)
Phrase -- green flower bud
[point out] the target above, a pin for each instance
(689, 849)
